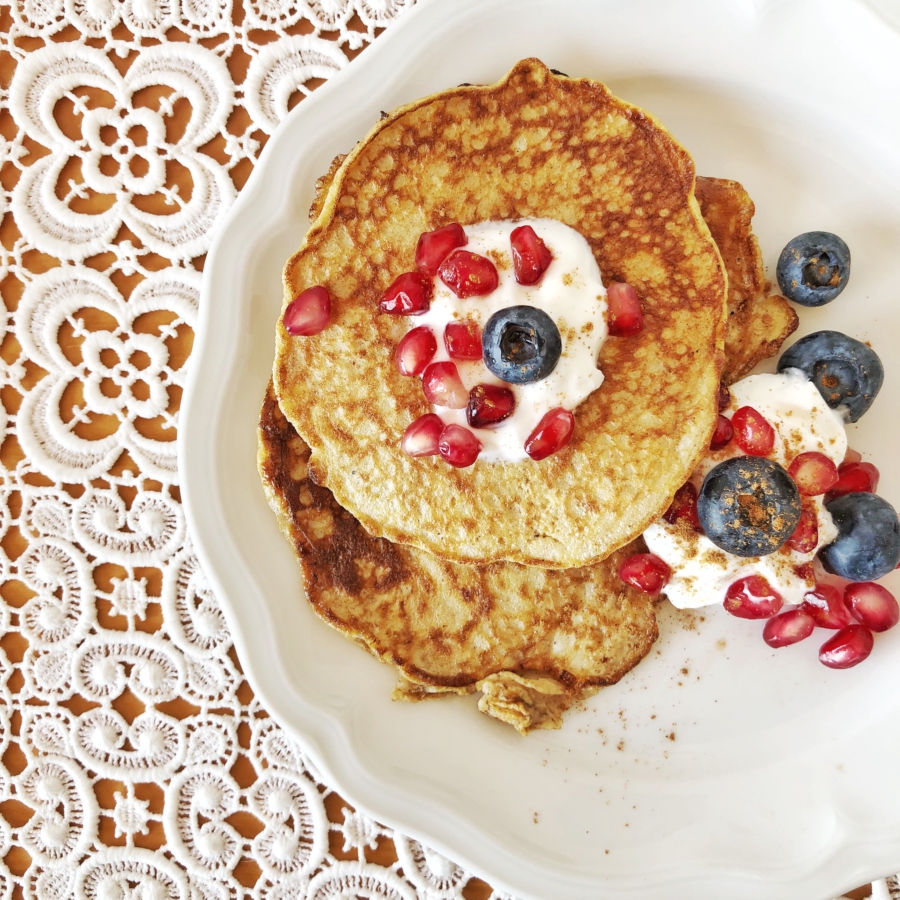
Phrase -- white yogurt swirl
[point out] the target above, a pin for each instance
(570, 292)
(803, 422)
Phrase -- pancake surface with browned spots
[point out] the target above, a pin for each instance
(444, 624)
(536, 145)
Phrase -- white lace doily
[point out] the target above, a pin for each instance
(134, 760)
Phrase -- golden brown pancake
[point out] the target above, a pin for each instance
(329, 544)
(532, 640)
(758, 324)
(533, 145)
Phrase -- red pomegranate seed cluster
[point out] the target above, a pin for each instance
(440, 254)
(854, 614)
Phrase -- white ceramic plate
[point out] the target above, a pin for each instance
(718, 767)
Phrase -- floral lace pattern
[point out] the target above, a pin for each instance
(134, 760)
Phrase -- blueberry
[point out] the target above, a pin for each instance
(868, 542)
(847, 373)
(748, 506)
(813, 268)
(521, 344)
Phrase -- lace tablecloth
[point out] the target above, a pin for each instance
(134, 760)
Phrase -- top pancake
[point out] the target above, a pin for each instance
(533, 145)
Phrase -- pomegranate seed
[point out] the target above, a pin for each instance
(459, 446)
(724, 396)
(553, 432)
(851, 456)
(752, 598)
(684, 506)
(873, 605)
(409, 295)
(849, 647)
(421, 437)
(443, 386)
(788, 628)
(463, 340)
(723, 434)
(434, 246)
(468, 275)
(855, 477)
(625, 316)
(530, 255)
(752, 433)
(415, 350)
(489, 404)
(806, 534)
(646, 572)
(826, 606)
(813, 472)
(308, 313)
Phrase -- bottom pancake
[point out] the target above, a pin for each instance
(533, 641)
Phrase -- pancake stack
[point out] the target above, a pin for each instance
(501, 577)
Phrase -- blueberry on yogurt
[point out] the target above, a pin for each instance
(521, 344)
(847, 373)
(868, 542)
(748, 506)
(813, 268)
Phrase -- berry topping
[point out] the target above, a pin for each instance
(849, 647)
(684, 507)
(846, 372)
(308, 313)
(409, 295)
(868, 542)
(415, 350)
(788, 628)
(552, 433)
(458, 446)
(489, 404)
(723, 434)
(463, 340)
(752, 433)
(851, 456)
(468, 275)
(813, 472)
(813, 268)
(443, 386)
(530, 255)
(646, 572)
(825, 604)
(724, 396)
(521, 344)
(752, 598)
(806, 534)
(873, 605)
(855, 478)
(421, 437)
(625, 316)
(434, 247)
(748, 506)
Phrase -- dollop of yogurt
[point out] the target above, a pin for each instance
(803, 422)
(571, 292)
